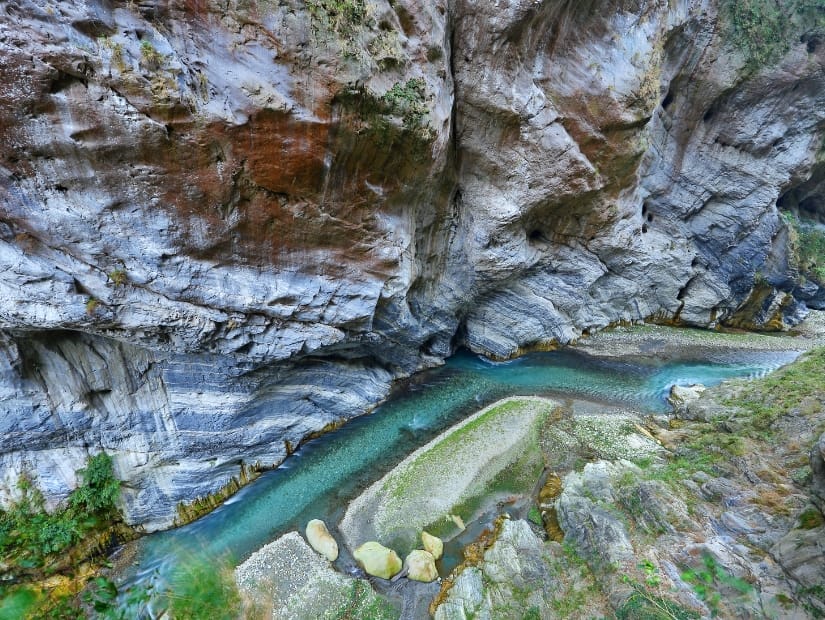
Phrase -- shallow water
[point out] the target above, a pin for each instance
(323, 475)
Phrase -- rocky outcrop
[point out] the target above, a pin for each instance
(227, 225)
(290, 579)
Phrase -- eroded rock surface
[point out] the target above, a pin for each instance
(290, 579)
(227, 225)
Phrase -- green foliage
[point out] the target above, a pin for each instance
(534, 515)
(765, 29)
(18, 604)
(151, 57)
(118, 276)
(203, 591)
(103, 597)
(407, 100)
(99, 489)
(29, 534)
(807, 243)
(782, 392)
(707, 581)
(343, 17)
(759, 28)
(651, 572)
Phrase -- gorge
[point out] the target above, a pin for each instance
(228, 226)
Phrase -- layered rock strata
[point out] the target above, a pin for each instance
(227, 225)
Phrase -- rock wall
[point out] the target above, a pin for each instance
(226, 224)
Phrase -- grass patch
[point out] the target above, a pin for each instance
(810, 518)
(792, 389)
(363, 604)
(204, 591)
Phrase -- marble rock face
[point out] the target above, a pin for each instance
(227, 225)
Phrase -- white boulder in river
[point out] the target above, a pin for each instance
(321, 540)
(420, 566)
(377, 560)
(433, 544)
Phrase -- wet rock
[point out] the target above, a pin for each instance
(377, 560)
(433, 544)
(420, 566)
(321, 540)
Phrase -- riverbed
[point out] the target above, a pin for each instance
(624, 369)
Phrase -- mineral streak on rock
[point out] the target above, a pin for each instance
(224, 226)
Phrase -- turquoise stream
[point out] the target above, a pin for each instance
(323, 475)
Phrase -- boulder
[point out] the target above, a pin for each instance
(377, 560)
(321, 540)
(682, 395)
(433, 544)
(420, 566)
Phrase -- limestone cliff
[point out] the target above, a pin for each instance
(226, 224)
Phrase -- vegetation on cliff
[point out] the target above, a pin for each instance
(47, 556)
(763, 29)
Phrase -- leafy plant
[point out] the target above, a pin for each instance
(203, 591)
(151, 57)
(29, 534)
(99, 489)
(707, 580)
(108, 603)
(92, 305)
(647, 604)
(407, 100)
(117, 277)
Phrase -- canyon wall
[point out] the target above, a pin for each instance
(228, 224)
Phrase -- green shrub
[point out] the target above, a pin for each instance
(29, 534)
(407, 100)
(99, 489)
(151, 57)
(203, 591)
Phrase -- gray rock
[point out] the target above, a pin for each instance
(818, 472)
(514, 578)
(681, 395)
(276, 245)
(589, 519)
(288, 576)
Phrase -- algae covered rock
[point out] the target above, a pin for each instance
(433, 544)
(492, 454)
(321, 540)
(377, 560)
(420, 566)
